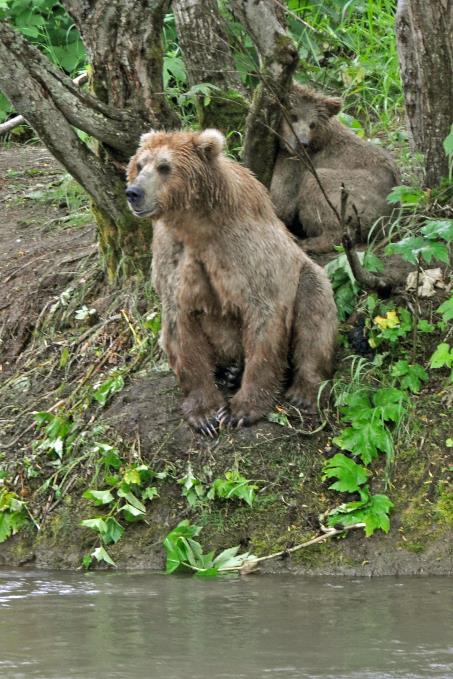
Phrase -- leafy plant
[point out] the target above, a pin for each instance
(59, 433)
(368, 412)
(102, 392)
(345, 286)
(372, 510)
(446, 309)
(431, 244)
(443, 358)
(233, 485)
(13, 514)
(396, 324)
(192, 488)
(185, 553)
(124, 499)
(410, 376)
(350, 475)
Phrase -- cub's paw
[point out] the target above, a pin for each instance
(226, 419)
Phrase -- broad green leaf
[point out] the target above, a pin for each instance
(98, 524)
(114, 530)
(350, 475)
(132, 476)
(150, 493)
(101, 554)
(413, 247)
(442, 357)
(406, 195)
(446, 309)
(439, 228)
(132, 500)
(448, 143)
(99, 497)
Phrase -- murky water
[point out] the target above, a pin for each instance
(102, 625)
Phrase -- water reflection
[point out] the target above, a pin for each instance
(66, 626)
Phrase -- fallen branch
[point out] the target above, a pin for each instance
(18, 120)
(251, 563)
(366, 279)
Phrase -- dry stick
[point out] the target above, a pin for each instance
(18, 120)
(320, 538)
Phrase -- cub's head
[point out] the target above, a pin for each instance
(307, 119)
(172, 171)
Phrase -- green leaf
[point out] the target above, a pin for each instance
(406, 195)
(439, 228)
(410, 376)
(366, 440)
(99, 497)
(150, 493)
(446, 309)
(132, 500)
(374, 513)
(350, 475)
(234, 485)
(98, 524)
(114, 530)
(176, 544)
(87, 560)
(111, 386)
(102, 555)
(424, 326)
(132, 476)
(442, 357)
(413, 247)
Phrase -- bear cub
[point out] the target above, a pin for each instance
(235, 287)
(338, 156)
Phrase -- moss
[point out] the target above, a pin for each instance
(444, 505)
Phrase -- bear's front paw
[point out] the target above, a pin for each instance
(200, 411)
(302, 400)
(241, 413)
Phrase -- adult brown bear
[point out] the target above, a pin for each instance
(234, 285)
(339, 157)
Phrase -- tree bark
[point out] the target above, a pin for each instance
(425, 47)
(129, 99)
(208, 58)
(264, 21)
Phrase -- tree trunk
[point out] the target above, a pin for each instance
(425, 47)
(203, 40)
(124, 43)
(264, 21)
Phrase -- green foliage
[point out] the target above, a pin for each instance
(443, 358)
(436, 233)
(192, 488)
(446, 309)
(185, 553)
(407, 196)
(410, 376)
(13, 514)
(394, 326)
(369, 412)
(130, 487)
(234, 485)
(106, 389)
(345, 287)
(59, 433)
(47, 25)
(372, 510)
(350, 475)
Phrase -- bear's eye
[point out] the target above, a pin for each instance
(139, 167)
(312, 126)
(293, 117)
(163, 168)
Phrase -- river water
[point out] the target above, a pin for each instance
(103, 625)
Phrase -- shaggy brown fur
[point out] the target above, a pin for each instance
(235, 287)
(338, 155)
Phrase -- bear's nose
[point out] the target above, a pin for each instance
(134, 194)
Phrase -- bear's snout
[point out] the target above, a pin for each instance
(135, 195)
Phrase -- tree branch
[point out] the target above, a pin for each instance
(263, 20)
(119, 129)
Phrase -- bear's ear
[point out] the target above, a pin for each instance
(211, 142)
(147, 136)
(333, 105)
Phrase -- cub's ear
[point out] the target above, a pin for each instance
(211, 142)
(333, 105)
(146, 137)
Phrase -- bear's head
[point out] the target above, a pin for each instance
(306, 123)
(173, 171)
